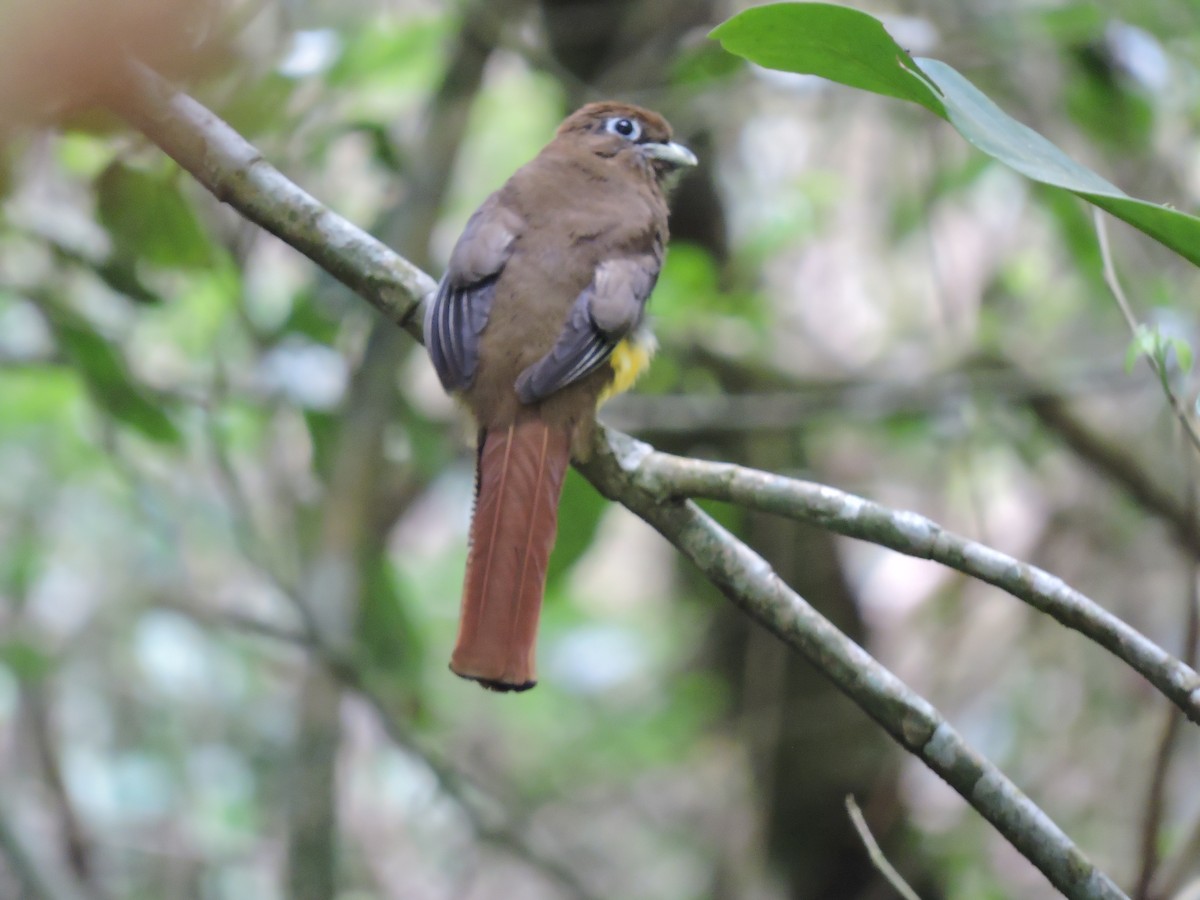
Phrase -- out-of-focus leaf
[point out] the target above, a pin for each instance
(689, 295)
(6, 179)
(120, 274)
(19, 561)
(704, 64)
(323, 432)
(38, 395)
(410, 49)
(25, 660)
(1101, 103)
(149, 218)
(1075, 23)
(579, 515)
(1142, 344)
(386, 631)
(312, 318)
(427, 441)
(1078, 232)
(260, 106)
(852, 47)
(84, 154)
(195, 319)
(1167, 352)
(1183, 353)
(911, 211)
(384, 149)
(108, 379)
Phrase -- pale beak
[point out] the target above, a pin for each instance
(674, 155)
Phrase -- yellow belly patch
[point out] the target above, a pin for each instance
(630, 358)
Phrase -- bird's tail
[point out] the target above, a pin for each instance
(519, 480)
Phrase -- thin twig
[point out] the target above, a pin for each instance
(886, 869)
(1114, 285)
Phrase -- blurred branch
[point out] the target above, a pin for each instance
(795, 402)
(230, 167)
(76, 844)
(885, 868)
(1119, 467)
(1155, 805)
(40, 882)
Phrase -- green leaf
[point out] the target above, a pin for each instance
(581, 509)
(149, 219)
(394, 54)
(323, 432)
(259, 107)
(120, 274)
(38, 396)
(388, 636)
(26, 661)
(853, 48)
(703, 65)
(835, 42)
(108, 380)
(1143, 343)
(1183, 353)
(990, 129)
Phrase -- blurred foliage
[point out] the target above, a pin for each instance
(178, 393)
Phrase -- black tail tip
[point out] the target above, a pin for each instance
(499, 687)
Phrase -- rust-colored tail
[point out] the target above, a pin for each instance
(518, 484)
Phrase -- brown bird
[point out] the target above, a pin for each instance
(539, 317)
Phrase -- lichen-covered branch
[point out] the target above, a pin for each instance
(749, 582)
(666, 477)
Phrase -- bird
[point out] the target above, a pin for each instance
(539, 317)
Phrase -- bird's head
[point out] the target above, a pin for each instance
(624, 132)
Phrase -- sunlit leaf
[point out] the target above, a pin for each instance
(835, 42)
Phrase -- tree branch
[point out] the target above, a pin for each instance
(228, 166)
(750, 583)
(668, 478)
(234, 171)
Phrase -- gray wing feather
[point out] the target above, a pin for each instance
(459, 313)
(610, 307)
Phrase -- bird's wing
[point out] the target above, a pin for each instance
(605, 311)
(459, 313)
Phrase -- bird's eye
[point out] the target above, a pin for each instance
(626, 128)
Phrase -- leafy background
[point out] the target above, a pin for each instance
(201, 436)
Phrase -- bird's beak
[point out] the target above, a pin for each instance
(674, 155)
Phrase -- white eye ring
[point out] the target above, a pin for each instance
(623, 126)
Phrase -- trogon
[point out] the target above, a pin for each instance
(539, 317)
